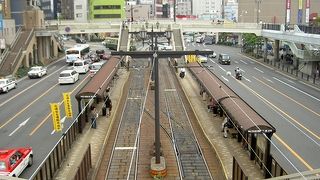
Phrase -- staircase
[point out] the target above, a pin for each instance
(177, 39)
(12, 61)
(124, 37)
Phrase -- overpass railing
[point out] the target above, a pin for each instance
(309, 29)
(276, 27)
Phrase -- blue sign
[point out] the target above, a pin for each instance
(300, 16)
(1, 19)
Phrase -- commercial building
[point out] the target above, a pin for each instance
(183, 7)
(207, 9)
(107, 9)
(50, 8)
(67, 9)
(138, 12)
(80, 8)
(274, 11)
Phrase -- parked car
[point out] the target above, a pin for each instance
(37, 72)
(7, 84)
(224, 59)
(68, 77)
(94, 57)
(81, 66)
(14, 161)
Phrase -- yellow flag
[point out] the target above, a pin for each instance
(67, 105)
(56, 116)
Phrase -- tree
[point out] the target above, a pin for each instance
(251, 41)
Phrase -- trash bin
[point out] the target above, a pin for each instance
(104, 111)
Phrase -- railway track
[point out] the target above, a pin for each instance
(190, 158)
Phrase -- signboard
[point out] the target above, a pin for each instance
(2, 43)
(192, 58)
(300, 12)
(288, 9)
(67, 105)
(1, 19)
(55, 116)
(307, 11)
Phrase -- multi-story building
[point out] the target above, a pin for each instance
(183, 7)
(67, 9)
(138, 12)
(50, 8)
(18, 7)
(107, 9)
(274, 11)
(230, 10)
(207, 9)
(80, 8)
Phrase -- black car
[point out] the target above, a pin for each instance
(224, 59)
(80, 40)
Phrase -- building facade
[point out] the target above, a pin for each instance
(80, 10)
(274, 11)
(18, 7)
(207, 9)
(138, 12)
(51, 8)
(183, 7)
(107, 9)
(67, 9)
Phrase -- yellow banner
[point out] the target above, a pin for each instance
(55, 116)
(300, 4)
(67, 105)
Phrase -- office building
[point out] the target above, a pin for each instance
(80, 8)
(67, 9)
(207, 9)
(107, 9)
(51, 8)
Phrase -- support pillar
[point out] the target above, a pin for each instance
(240, 41)
(217, 38)
(268, 160)
(253, 146)
(276, 50)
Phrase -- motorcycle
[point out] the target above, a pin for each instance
(238, 76)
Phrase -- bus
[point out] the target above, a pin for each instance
(77, 52)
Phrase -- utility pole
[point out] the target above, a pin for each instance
(258, 10)
(131, 12)
(174, 10)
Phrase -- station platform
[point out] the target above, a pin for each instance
(226, 148)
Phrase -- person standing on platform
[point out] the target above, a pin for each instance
(93, 116)
(108, 104)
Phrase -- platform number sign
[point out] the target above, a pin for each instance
(56, 116)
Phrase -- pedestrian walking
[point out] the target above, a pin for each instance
(93, 116)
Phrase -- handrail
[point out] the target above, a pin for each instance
(28, 39)
(3, 56)
(15, 59)
(18, 34)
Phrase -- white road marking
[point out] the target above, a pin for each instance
(247, 79)
(236, 62)
(258, 69)
(267, 79)
(222, 68)
(62, 121)
(20, 125)
(297, 89)
(242, 70)
(289, 80)
(243, 62)
(225, 78)
(125, 148)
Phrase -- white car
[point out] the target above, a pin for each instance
(202, 59)
(37, 72)
(68, 77)
(213, 55)
(7, 84)
(164, 47)
(81, 66)
(95, 67)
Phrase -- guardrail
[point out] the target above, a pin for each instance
(309, 29)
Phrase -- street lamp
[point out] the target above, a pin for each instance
(143, 34)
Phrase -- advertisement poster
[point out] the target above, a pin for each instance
(300, 12)
(307, 11)
(288, 9)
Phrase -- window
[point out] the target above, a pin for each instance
(79, 15)
(107, 7)
(79, 6)
(2, 165)
(107, 16)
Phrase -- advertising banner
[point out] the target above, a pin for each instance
(307, 11)
(1, 18)
(56, 116)
(288, 9)
(67, 105)
(300, 12)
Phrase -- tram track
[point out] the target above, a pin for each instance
(190, 160)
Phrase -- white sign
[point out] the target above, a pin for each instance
(2, 43)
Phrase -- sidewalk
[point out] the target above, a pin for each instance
(95, 137)
(288, 70)
(226, 148)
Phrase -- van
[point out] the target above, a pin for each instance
(81, 66)
(95, 67)
(224, 59)
(202, 59)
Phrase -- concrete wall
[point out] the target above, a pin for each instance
(33, 18)
(9, 31)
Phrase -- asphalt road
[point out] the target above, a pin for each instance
(291, 106)
(26, 116)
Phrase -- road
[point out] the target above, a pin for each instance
(26, 116)
(290, 105)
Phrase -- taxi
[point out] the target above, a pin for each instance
(14, 161)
